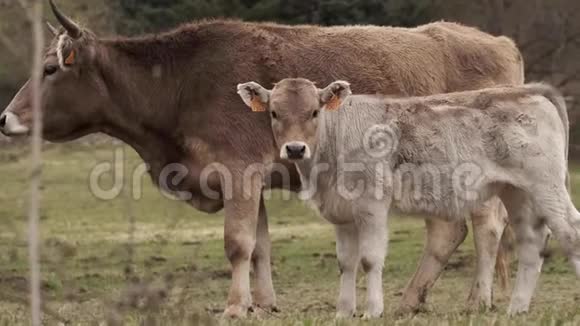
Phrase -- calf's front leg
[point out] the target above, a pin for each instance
(347, 252)
(373, 241)
(240, 239)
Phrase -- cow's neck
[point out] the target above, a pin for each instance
(144, 110)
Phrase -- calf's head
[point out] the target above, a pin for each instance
(72, 91)
(296, 107)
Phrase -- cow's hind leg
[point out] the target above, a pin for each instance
(373, 240)
(348, 259)
(264, 295)
(489, 222)
(443, 238)
(531, 236)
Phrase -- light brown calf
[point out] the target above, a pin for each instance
(442, 156)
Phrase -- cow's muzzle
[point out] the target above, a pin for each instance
(10, 125)
(295, 151)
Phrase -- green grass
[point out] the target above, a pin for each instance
(173, 270)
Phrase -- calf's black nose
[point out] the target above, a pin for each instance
(296, 151)
(3, 121)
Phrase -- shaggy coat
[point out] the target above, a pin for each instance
(441, 156)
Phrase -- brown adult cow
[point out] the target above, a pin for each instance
(172, 98)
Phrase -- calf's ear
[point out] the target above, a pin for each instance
(255, 96)
(332, 96)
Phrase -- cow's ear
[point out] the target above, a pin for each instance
(255, 96)
(332, 96)
(67, 51)
(71, 58)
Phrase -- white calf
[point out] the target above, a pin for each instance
(443, 156)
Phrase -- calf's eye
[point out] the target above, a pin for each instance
(274, 114)
(315, 114)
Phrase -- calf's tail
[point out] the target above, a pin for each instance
(554, 96)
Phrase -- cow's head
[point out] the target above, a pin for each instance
(296, 107)
(72, 92)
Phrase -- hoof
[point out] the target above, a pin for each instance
(478, 307)
(271, 308)
(513, 312)
(370, 315)
(518, 306)
(268, 305)
(264, 299)
(262, 311)
(236, 312)
(345, 315)
(404, 311)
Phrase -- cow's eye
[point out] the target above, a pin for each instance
(274, 114)
(50, 70)
(315, 114)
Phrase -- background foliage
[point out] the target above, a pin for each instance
(151, 15)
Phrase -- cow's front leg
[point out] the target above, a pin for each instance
(489, 222)
(240, 239)
(264, 295)
(443, 238)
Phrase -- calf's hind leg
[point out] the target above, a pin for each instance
(531, 236)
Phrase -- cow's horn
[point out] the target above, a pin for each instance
(69, 25)
(52, 29)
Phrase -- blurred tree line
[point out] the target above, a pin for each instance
(138, 16)
(547, 31)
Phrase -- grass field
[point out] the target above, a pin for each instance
(168, 268)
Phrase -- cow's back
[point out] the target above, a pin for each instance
(434, 58)
(477, 59)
